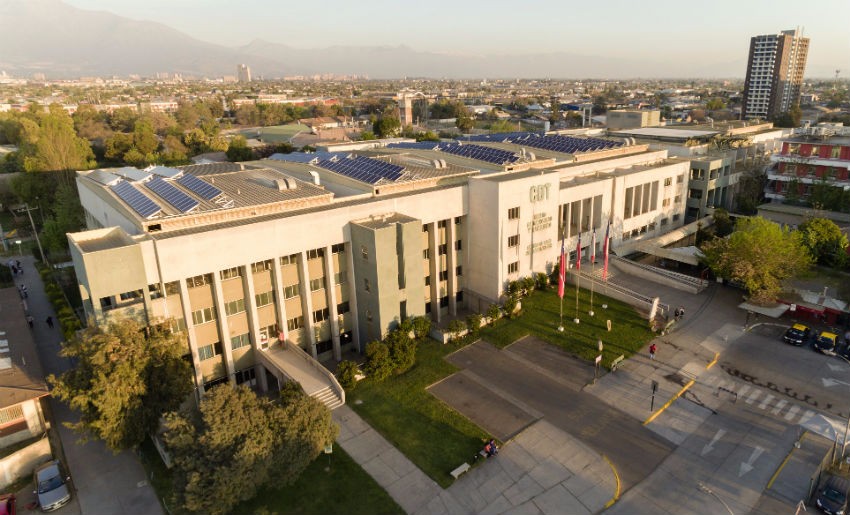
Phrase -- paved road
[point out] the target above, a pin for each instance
(105, 483)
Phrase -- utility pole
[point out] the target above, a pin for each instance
(35, 233)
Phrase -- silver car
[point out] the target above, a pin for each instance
(51, 486)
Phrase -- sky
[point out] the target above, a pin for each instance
(661, 30)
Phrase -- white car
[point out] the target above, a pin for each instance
(51, 486)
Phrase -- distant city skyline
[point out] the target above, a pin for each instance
(658, 32)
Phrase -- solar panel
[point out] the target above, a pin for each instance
(480, 153)
(415, 145)
(182, 202)
(138, 201)
(203, 189)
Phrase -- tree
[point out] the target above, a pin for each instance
(58, 147)
(235, 443)
(790, 118)
(388, 125)
(144, 138)
(825, 241)
(124, 380)
(759, 255)
(723, 223)
(379, 365)
(465, 122)
(238, 150)
(117, 145)
(715, 104)
(501, 126)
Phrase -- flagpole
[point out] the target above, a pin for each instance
(561, 279)
(592, 268)
(578, 272)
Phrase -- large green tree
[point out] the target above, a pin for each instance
(465, 122)
(126, 377)
(760, 255)
(235, 443)
(825, 241)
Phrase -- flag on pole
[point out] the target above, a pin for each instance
(562, 270)
(593, 247)
(578, 253)
(605, 253)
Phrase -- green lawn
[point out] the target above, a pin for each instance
(629, 332)
(344, 488)
(433, 436)
(277, 133)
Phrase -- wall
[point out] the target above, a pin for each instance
(22, 463)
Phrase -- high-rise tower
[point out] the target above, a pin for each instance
(774, 73)
(243, 72)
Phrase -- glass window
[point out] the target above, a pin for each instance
(261, 266)
(315, 253)
(513, 267)
(231, 273)
(339, 248)
(172, 288)
(343, 308)
(321, 315)
(295, 323)
(458, 245)
(234, 306)
(340, 277)
(199, 280)
(202, 316)
(291, 259)
(317, 284)
(513, 241)
(290, 291)
(264, 299)
(513, 213)
(239, 341)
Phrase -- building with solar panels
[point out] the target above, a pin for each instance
(273, 267)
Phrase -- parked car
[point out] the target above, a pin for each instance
(797, 334)
(825, 343)
(7, 504)
(51, 486)
(832, 499)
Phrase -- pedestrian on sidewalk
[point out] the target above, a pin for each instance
(30, 321)
(652, 349)
(23, 290)
(49, 322)
(19, 267)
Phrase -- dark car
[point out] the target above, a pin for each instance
(7, 504)
(832, 499)
(51, 486)
(797, 334)
(826, 343)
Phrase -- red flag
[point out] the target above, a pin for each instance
(605, 253)
(593, 247)
(562, 270)
(578, 253)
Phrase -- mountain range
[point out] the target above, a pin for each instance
(62, 41)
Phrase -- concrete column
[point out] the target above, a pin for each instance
(330, 292)
(352, 297)
(190, 334)
(306, 302)
(223, 329)
(434, 259)
(251, 305)
(280, 301)
(451, 265)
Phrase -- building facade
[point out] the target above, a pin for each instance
(243, 73)
(775, 69)
(328, 251)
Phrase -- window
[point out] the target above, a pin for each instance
(441, 224)
(261, 266)
(426, 254)
(343, 308)
(339, 248)
(107, 303)
(199, 280)
(295, 323)
(513, 213)
(665, 202)
(664, 221)
(444, 301)
(677, 199)
(234, 306)
(315, 253)
(177, 325)
(459, 271)
(11, 414)
(402, 310)
(291, 259)
(794, 148)
(457, 220)
(290, 291)
(155, 291)
(459, 296)
(424, 227)
(444, 248)
(202, 316)
(172, 288)
(364, 252)
(513, 241)
(458, 245)
(835, 152)
(513, 267)
(317, 284)
(246, 376)
(676, 217)
(209, 351)
(264, 299)
(668, 181)
(427, 280)
(270, 332)
(242, 340)
(366, 285)
(695, 193)
(680, 179)
(130, 295)
(231, 273)
(444, 275)
(815, 151)
(321, 315)
(340, 277)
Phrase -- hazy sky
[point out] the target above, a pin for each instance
(715, 32)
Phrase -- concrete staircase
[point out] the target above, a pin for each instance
(328, 397)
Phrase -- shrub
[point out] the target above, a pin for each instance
(514, 289)
(455, 328)
(421, 326)
(406, 326)
(541, 280)
(402, 351)
(473, 323)
(378, 363)
(346, 373)
(510, 306)
(528, 284)
(494, 312)
(65, 312)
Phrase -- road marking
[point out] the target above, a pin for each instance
(782, 465)
(779, 405)
(744, 389)
(710, 445)
(747, 466)
(791, 412)
(835, 368)
(753, 396)
(711, 364)
(766, 401)
(616, 477)
(806, 416)
(668, 403)
(829, 382)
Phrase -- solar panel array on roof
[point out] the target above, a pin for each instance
(564, 144)
(415, 145)
(164, 171)
(364, 169)
(480, 153)
(301, 157)
(181, 202)
(497, 137)
(131, 174)
(203, 189)
(138, 201)
(103, 177)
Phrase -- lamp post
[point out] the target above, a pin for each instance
(20, 251)
(709, 491)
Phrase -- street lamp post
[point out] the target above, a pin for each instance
(35, 233)
(709, 491)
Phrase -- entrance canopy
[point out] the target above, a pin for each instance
(774, 311)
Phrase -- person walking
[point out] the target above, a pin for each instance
(30, 321)
(652, 349)
(49, 322)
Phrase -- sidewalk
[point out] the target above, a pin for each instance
(104, 482)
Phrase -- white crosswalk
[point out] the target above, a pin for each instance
(755, 396)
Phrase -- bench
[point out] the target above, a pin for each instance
(456, 473)
(617, 363)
